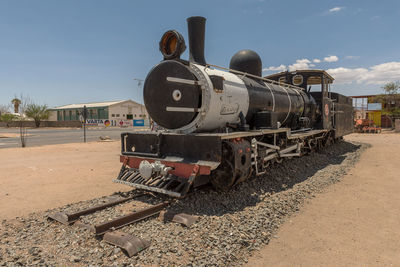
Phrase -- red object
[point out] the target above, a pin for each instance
(366, 126)
(180, 169)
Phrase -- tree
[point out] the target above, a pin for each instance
(391, 88)
(16, 102)
(37, 113)
(4, 109)
(20, 105)
(8, 117)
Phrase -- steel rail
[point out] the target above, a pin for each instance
(129, 218)
(68, 218)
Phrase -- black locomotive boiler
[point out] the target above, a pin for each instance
(222, 125)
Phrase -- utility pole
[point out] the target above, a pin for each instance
(139, 84)
(84, 123)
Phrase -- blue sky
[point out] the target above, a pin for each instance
(60, 52)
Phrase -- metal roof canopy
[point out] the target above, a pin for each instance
(364, 96)
(313, 76)
(93, 104)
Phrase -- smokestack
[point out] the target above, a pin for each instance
(196, 31)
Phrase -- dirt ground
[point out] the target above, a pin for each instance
(356, 222)
(40, 178)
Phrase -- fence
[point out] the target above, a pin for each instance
(42, 124)
(89, 122)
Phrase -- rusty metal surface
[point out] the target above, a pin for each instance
(129, 243)
(129, 218)
(167, 184)
(180, 169)
(150, 188)
(181, 218)
(68, 218)
(60, 217)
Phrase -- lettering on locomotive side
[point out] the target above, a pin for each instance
(227, 109)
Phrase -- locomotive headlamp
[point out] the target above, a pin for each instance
(172, 44)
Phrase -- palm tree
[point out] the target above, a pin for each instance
(16, 102)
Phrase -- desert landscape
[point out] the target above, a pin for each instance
(199, 133)
(338, 206)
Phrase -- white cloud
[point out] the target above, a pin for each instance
(331, 59)
(278, 68)
(345, 75)
(316, 60)
(300, 64)
(335, 9)
(377, 74)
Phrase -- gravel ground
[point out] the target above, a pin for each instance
(230, 226)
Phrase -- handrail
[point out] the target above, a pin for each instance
(257, 77)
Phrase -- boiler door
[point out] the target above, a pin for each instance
(167, 86)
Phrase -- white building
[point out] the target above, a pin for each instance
(111, 110)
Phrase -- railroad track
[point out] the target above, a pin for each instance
(107, 230)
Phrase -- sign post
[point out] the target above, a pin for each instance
(84, 123)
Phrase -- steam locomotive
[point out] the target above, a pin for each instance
(222, 125)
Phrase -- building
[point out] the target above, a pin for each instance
(110, 110)
(377, 108)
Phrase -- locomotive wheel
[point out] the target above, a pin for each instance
(244, 176)
(313, 145)
(235, 166)
(266, 165)
(223, 177)
(329, 141)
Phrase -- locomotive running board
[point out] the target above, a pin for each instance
(165, 184)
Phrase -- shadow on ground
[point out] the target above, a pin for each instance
(280, 177)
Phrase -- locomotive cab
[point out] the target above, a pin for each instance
(317, 84)
(330, 106)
